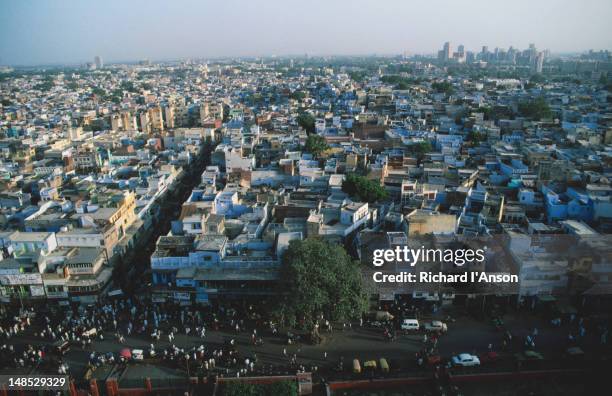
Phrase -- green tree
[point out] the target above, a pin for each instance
(44, 86)
(280, 388)
(399, 81)
(239, 389)
(443, 87)
(72, 85)
(98, 91)
(298, 95)
(357, 76)
(420, 149)
(476, 137)
(306, 121)
(364, 189)
(128, 86)
(316, 145)
(319, 278)
(535, 109)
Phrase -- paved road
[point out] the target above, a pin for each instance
(464, 335)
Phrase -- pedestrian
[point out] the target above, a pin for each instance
(325, 355)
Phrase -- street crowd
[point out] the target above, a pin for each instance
(81, 326)
(47, 331)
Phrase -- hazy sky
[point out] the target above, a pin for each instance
(73, 31)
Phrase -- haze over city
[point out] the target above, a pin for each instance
(65, 32)
(305, 198)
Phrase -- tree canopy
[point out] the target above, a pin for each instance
(419, 149)
(319, 278)
(476, 137)
(281, 388)
(399, 81)
(535, 109)
(443, 87)
(306, 121)
(316, 144)
(298, 95)
(364, 189)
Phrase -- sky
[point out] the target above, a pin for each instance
(34, 32)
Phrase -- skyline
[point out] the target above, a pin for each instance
(72, 32)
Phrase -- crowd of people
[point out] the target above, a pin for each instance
(45, 330)
(81, 326)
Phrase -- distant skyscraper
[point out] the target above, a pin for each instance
(461, 49)
(445, 54)
(484, 54)
(447, 50)
(98, 62)
(538, 63)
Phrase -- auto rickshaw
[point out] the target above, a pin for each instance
(356, 366)
(370, 365)
(384, 366)
(60, 348)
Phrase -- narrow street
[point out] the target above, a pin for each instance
(132, 272)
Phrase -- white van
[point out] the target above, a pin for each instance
(410, 324)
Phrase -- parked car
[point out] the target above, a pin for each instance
(465, 360)
(435, 326)
(410, 324)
